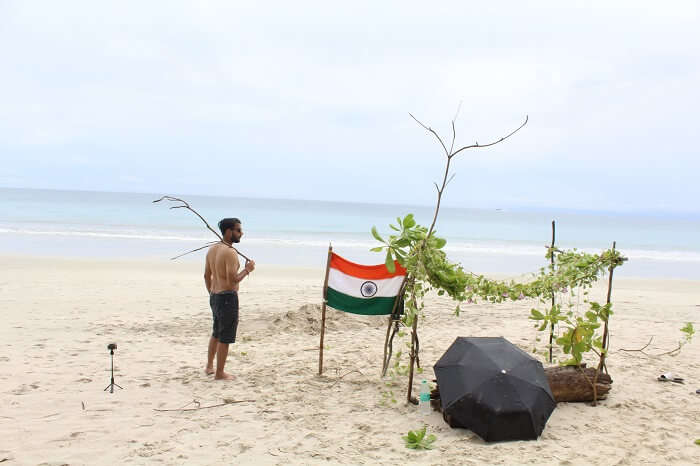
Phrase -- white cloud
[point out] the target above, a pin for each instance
(290, 93)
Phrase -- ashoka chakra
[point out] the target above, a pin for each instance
(368, 289)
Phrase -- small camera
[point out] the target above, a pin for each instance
(112, 346)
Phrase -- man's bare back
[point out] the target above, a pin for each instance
(223, 264)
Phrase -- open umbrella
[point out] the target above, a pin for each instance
(495, 389)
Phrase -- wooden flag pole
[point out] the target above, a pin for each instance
(551, 327)
(385, 362)
(323, 310)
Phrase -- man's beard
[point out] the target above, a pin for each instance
(235, 240)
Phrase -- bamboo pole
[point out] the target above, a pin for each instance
(604, 348)
(414, 331)
(551, 325)
(386, 343)
(385, 361)
(323, 310)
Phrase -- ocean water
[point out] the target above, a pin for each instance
(293, 232)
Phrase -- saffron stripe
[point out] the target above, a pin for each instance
(371, 306)
(369, 272)
(352, 286)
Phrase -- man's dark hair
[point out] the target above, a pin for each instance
(227, 223)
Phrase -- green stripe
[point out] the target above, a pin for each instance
(364, 306)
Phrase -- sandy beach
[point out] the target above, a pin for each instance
(60, 314)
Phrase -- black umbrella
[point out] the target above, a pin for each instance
(493, 388)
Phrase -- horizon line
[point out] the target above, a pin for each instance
(505, 207)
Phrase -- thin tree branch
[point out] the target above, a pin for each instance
(491, 143)
(186, 205)
(450, 154)
(206, 407)
(640, 349)
(459, 107)
(437, 206)
(194, 250)
(434, 133)
(341, 377)
(668, 352)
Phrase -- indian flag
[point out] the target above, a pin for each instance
(362, 289)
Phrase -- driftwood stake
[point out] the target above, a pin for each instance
(414, 333)
(393, 317)
(604, 349)
(551, 325)
(323, 311)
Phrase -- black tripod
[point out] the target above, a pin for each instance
(111, 347)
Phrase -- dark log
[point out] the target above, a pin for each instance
(570, 383)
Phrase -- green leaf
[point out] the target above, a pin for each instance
(536, 315)
(393, 227)
(688, 330)
(697, 441)
(376, 235)
(440, 243)
(377, 249)
(389, 262)
(408, 221)
(402, 243)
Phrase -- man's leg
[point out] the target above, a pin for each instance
(221, 355)
(213, 342)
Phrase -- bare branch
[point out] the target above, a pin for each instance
(434, 133)
(185, 205)
(445, 180)
(641, 350)
(491, 143)
(341, 377)
(451, 178)
(194, 250)
(459, 107)
(675, 350)
(228, 402)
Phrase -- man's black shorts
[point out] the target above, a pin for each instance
(224, 307)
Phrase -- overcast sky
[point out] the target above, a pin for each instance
(310, 100)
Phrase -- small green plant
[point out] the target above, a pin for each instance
(697, 441)
(416, 439)
(689, 331)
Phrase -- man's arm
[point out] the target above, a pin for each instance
(207, 275)
(232, 266)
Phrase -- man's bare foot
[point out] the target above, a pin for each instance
(209, 370)
(223, 376)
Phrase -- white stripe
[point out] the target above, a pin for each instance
(349, 285)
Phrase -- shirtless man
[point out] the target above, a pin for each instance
(222, 278)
